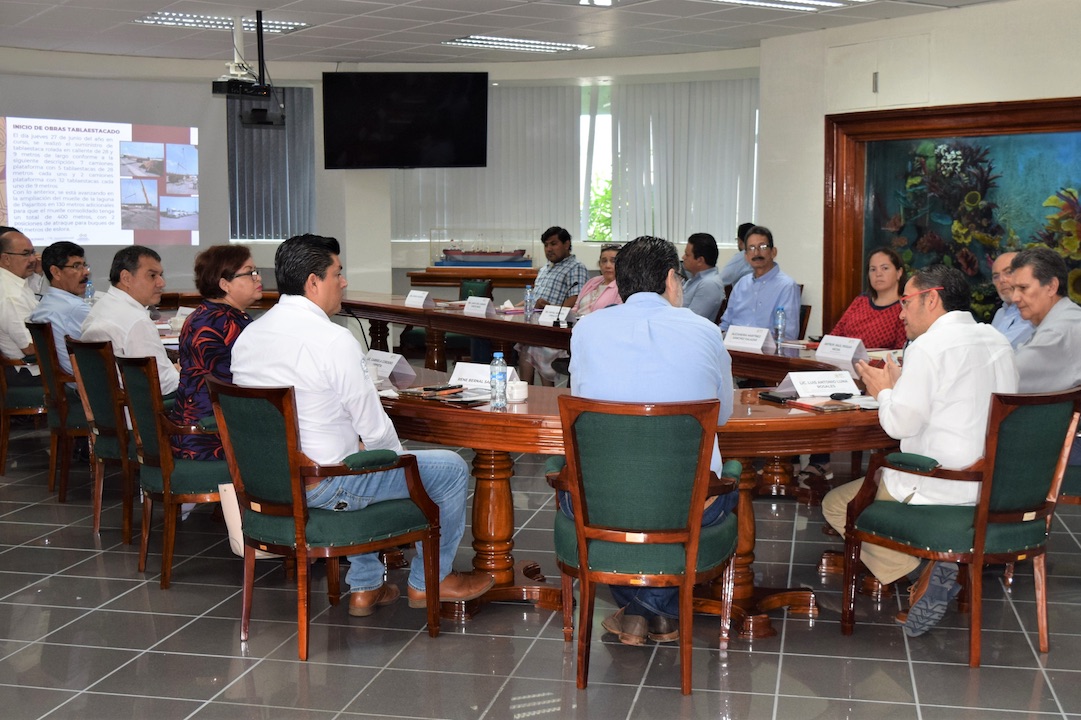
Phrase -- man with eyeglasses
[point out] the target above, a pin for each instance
(17, 300)
(703, 292)
(756, 296)
(62, 304)
(120, 315)
(937, 407)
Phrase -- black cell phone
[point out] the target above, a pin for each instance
(441, 388)
(779, 398)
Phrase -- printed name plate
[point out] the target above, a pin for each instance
(749, 339)
(418, 299)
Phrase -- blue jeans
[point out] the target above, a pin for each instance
(650, 601)
(445, 477)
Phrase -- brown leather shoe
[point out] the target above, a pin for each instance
(634, 629)
(663, 629)
(614, 622)
(364, 602)
(456, 587)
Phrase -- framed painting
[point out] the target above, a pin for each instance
(953, 184)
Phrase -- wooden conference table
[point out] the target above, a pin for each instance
(755, 430)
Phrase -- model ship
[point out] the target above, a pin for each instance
(472, 257)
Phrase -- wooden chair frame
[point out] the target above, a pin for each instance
(115, 427)
(170, 501)
(705, 413)
(6, 413)
(982, 471)
(61, 438)
(301, 469)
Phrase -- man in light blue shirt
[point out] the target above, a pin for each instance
(62, 304)
(650, 349)
(737, 266)
(1008, 320)
(756, 296)
(703, 293)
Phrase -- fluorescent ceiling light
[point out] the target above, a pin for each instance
(514, 44)
(212, 22)
(804, 6)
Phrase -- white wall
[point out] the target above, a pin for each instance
(1018, 50)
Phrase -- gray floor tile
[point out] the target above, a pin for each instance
(22, 702)
(97, 705)
(455, 696)
(62, 667)
(171, 675)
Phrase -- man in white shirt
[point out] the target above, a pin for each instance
(296, 344)
(938, 407)
(62, 305)
(1008, 320)
(120, 315)
(17, 300)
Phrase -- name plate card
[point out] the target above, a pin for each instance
(478, 375)
(389, 366)
(749, 339)
(419, 299)
(842, 352)
(479, 306)
(553, 314)
(818, 384)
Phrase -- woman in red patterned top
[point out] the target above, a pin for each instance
(226, 277)
(875, 318)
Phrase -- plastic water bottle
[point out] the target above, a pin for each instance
(499, 382)
(778, 326)
(530, 302)
(88, 296)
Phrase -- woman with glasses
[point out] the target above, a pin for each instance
(226, 277)
(598, 292)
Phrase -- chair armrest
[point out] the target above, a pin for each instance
(555, 472)
(208, 423)
(173, 428)
(371, 460)
(929, 467)
(912, 462)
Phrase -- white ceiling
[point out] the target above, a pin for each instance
(411, 30)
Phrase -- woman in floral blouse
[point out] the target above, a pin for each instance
(226, 277)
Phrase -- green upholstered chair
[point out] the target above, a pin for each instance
(16, 401)
(638, 475)
(103, 402)
(412, 341)
(67, 420)
(170, 480)
(261, 436)
(1028, 442)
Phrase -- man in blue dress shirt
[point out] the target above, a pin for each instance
(737, 266)
(756, 296)
(650, 349)
(62, 304)
(1008, 320)
(703, 293)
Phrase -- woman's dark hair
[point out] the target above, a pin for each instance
(219, 262)
(897, 262)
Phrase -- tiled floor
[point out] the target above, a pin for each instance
(84, 635)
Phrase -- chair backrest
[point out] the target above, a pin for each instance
(99, 387)
(259, 432)
(804, 318)
(477, 287)
(53, 376)
(143, 390)
(1028, 442)
(638, 469)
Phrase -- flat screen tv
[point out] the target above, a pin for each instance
(405, 119)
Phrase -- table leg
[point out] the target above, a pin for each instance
(749, 604)
(493, 543)
(380, 333)
(435, 353)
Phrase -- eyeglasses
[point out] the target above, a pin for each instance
(906, 298)
(763, 247)
(610, 246)
(252, 274)
(24, 254)
(77, 266)
(680, 273)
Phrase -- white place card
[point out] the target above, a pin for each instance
(749, 339)
(818, 384)
(842, 352)
(419, 299)
(385, 365)
(479, 306)
(477, 375)
(551, 314)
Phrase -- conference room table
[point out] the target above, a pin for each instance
(755, 430)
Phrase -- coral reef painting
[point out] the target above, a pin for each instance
(963, 201)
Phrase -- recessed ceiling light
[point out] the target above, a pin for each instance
(213, 22)
(514, 44)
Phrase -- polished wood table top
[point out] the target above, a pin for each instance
(755, 430)
(440, 276)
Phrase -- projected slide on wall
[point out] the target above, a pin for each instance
(97, 183)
